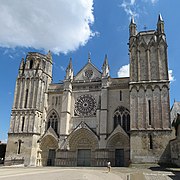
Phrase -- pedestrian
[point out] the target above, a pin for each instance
(109, 166)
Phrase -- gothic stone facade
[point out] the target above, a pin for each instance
(91, 118)
(175, 143)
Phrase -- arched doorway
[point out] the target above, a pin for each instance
(84, 143)
(48, 145)
(119, 149)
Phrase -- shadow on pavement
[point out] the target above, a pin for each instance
(175, 172)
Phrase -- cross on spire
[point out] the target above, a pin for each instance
(145, 27)
(89, 57)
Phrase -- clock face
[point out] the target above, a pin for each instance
(88, 73)
(85, 106)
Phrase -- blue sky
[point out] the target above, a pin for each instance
(74, 28)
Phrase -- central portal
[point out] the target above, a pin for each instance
(84, 157)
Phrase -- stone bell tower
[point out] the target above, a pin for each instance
(29, 108)
(149, 95)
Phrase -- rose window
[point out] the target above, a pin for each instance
(88, 73)
(85, 106)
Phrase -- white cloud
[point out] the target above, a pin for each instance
(129, 8)
(171, 77)
(62, 68)
(58, 25)
(150, 1)
(154, 1)
(10, 56)
(132, 2)
(134, 8)
(123, 71)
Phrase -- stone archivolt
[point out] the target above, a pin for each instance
(83, 138)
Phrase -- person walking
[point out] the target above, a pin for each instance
(109, 166)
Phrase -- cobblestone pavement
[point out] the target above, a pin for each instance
(93, 173)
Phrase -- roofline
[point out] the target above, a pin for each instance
(85, 66)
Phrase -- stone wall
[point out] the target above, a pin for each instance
(142, 151)
(28, 150)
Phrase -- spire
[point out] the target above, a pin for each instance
(132, 20)
(132, 27)
(160, 25)
(22, 64)
(70, 64)
(105, 60)
(49, 55)
(160, 17)
(69, 70)
(89, 57)
(105, 68)
(21, 67)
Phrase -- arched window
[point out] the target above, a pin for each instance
(128, 123)
(19, 146)
(150, 142)
(115, 121)
(119, 119)
(149, 107)
(31, 64)
(120, 95)
(26, 99)
(53, 121)
(22, 127)
(124, 122)
(122, 117)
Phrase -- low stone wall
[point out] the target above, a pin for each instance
(13, 161)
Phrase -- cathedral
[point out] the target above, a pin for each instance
(90, 118)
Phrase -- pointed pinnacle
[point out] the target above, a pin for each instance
(70, 63)
(106, 59)
(160, 17)
(89, 57)
(132, 20)
(49, 55)
(22, 63)
(22, 60)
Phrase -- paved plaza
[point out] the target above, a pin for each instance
(93, 173)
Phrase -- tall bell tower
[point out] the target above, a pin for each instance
(29, 108)
(149, 95)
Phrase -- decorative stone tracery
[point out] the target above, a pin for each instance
(88, 73)
(85, 106)
(122, 117)
(53, 121)
(83, 138)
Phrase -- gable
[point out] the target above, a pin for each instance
(88, 72)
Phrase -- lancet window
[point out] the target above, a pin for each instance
(53, 121)
(122, 117)
(19, 146)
